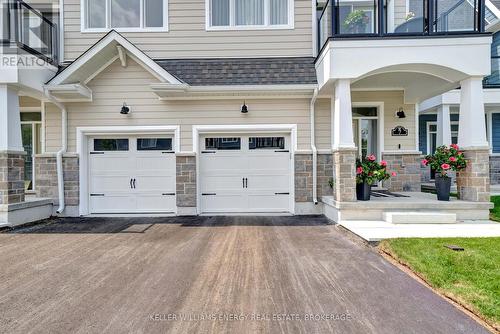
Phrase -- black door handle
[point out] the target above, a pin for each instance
(246, 182)
(134, 183)
(130, 183)
(243, 180)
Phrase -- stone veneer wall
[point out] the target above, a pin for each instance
(425, 172)
(46, 179)
(186, 181)
(303, 178)
(494, 169)
(407, 167)
(325, 173)
(11, 177)
(344, 175)
(473, 183)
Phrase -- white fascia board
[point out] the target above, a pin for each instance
(85, 93)
(111, 37)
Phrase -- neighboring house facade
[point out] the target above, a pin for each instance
(436, 130)
(232, 106)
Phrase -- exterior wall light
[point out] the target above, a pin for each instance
(244, 108)
(125, 110)
(400, 113)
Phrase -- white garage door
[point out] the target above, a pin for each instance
(131, 175)
(245, 173)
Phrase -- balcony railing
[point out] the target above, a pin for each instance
(26, 28)
(381, 18)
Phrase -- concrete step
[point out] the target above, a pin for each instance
(413, 217)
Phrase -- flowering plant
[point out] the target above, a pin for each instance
(446, 159)
(368, 170)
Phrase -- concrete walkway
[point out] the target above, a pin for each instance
(379, 230)
(209, 275)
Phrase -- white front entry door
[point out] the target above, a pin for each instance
(250, 173)
(131, 175)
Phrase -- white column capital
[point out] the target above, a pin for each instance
(342, 133)
(10, 120)
(472, 124)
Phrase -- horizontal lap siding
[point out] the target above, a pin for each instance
(116, 85)
(187, 37)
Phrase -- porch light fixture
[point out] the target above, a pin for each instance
(244, 108)
(125, 110)
(400, 113)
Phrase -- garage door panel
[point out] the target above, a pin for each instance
(221, 183)
(268, 162)
(159, 163)
(269, 202)
(112, 203)
(155, 203)
(109, 184)
(155, 183)
(228, 202)
(110, 163)
(217, 162)
(269, 182)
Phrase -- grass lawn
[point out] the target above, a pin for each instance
(471, 277)
(495, 212)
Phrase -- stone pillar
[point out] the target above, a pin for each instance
(46, 185)
(473, 183)
(408, 171)
(443, 126)
(186, 184)
(344, 174)
(303, 178)
(325, 173)
(344, 150)
(11, 148)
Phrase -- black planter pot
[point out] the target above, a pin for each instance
(443, 188)
(363, 191)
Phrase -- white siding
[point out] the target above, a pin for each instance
(187, 37)
(116, 85)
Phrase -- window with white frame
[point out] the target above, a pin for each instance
(241, 14)
(124, 15)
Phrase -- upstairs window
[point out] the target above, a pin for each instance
(250, 14)
(124, 15)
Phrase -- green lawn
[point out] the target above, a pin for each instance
(471, 277)
(495, 212)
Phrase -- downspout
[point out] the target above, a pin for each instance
(313, 147)
(61, 152)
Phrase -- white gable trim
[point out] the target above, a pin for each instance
(131, 49)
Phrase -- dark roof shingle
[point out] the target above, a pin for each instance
(239, 71)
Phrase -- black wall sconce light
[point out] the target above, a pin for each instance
(400, 113)
(125, 110)
(244, 108)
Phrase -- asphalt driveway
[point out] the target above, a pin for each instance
(209, 275)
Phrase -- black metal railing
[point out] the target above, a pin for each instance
(26, 28)
(380, 18)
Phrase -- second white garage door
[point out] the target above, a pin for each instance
(250, 173)
(131, 175)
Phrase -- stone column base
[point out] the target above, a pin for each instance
(473, 183)
(186, 181)
(344, 174)
(11, 177)
(408, 169)
(46, 185)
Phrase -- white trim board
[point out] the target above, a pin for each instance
(246, 129)
(82, 134)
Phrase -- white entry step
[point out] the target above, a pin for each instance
(420, 217)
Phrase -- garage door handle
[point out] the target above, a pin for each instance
(168, 152)
(168, 194)
(208, 151)
(282, 193)
(94, 195)
(131, 187)
(134, 183)
(96, 152)
(208, 194)
(282, 151)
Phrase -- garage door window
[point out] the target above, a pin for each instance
(154, 144)
(255, 143)
(110, 144)
(223, 143)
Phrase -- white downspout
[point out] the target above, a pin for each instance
(61, 152)
(313, 148)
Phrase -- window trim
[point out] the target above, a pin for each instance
(429, 133)
(142, 28)
(265, 26)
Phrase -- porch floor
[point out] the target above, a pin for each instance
(379, 230)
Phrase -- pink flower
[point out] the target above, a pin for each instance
(371, 157)
(425, 162)
(359, 170)
(445, 166)
(383, 163)
(393, 174)
(455, 146)
(453, 159)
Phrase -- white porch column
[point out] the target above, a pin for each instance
(344, 150)
(10, 120)
(473, 183)
(342, 115)
(472, 124)
(443, 126)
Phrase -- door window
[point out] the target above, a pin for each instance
(266, 143)
(154, 144)
(226, 143)
(111, 144)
